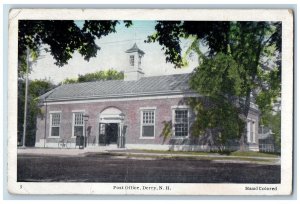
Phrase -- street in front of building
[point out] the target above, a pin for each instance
(138, 168)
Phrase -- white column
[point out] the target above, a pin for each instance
(248, 130)
(254, 134)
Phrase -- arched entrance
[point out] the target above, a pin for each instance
(110, 127)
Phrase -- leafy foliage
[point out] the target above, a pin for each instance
(96, 76)
(219, 124)
(226, 78)
(167, 130)
(63, 37)
(214, 34)
(168, 34)
(22, 66)
(242, 65)
(35, 89)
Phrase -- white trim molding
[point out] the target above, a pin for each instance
(54, 111)
(110, 115)
(147, 108)
(139, 98)
(78, 111)
(180, 107)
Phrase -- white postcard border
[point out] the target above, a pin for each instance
(286, 16)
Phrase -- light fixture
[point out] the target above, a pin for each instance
(122, 116)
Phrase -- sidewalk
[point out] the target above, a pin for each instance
(57, 151)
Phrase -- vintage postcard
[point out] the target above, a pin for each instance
(150, 101)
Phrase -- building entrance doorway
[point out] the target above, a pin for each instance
(112, 130)
(108, 133)
(110, 127)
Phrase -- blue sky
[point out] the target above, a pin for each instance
(112, 55)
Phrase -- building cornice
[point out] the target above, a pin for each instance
(118, 98)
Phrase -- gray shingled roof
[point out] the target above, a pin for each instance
(146, 86)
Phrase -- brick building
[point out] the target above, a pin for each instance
(137, 112)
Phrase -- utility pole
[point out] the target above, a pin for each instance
(26, 95)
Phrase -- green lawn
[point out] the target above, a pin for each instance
(252, 157)
(254, 154)
(255, 160)
(258, 160)
(236, 153)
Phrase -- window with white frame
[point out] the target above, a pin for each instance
(131, 60)
(55, 124)
(180, 122)
(148, 123)
(102, 129)
(78, 124)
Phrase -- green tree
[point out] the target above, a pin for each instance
(242, 65)
(110, 74)
(35, 89)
